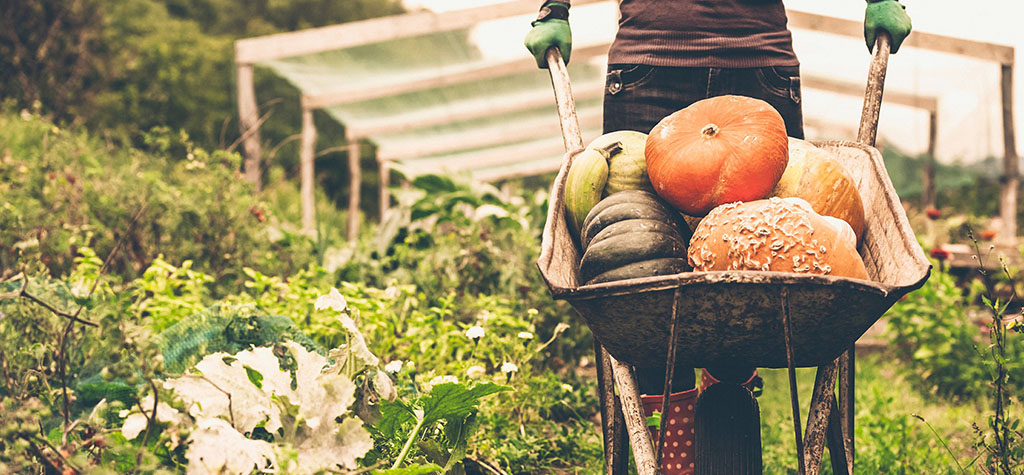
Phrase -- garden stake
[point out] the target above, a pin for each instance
(794, 398)
(670, 365)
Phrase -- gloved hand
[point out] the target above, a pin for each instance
(889, 16)
(550, 30)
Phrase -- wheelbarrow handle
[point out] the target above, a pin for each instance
(571, 136)
(873, 93)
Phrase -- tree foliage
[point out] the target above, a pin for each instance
(125, 66)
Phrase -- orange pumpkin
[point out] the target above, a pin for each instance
(716, 151)
(814, 175)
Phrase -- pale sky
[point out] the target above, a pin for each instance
(970, 125)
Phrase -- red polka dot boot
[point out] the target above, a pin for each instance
(677, 456)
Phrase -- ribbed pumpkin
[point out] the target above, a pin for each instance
(716, 151)
(632, 234)
(781, 235)
(814, 175)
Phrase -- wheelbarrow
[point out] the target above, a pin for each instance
(740, 318)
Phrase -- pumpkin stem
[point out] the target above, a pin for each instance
(709, 131)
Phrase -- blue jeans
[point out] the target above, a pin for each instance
(638, 96)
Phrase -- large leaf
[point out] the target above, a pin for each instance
(410, 470)
(455, 401)
(216, 447)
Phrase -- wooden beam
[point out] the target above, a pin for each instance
(1011, 172)
(306, 171)
(928, 103)
(248, 124)
(482, 137)
(468, 111)
(347, 35)
(448, 78)
(533, 168)
(1002, 54)
(492, 157)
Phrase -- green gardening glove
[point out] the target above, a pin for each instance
(889, 16)
(550, 29)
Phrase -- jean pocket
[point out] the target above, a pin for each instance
(622, 77)
(783, 81)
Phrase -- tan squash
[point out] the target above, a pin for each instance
(815, 176)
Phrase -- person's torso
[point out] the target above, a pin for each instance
(703, 33)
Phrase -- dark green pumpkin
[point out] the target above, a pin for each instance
(632, 234)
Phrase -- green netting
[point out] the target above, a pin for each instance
(455, 119)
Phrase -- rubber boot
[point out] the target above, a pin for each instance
(754, 383)
(677, 455)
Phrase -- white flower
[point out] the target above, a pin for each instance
(334, 300)
(567, 388)
(532, 312)
(439, 380)
(525, 335)
(394, 366)
(392, 293)
(443, 379)
(475, 332)
(475, 372)
(509, 367)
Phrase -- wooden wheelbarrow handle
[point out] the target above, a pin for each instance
(571, 136)
(873, 93)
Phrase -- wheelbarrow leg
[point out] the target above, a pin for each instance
(818, 419)
(847, 370)
(612, 423)
(636, 423)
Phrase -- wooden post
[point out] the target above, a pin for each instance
(1011, 173)
(248, 124)
(928, 190)
(306, 171)
(385, 182)
(354, 188)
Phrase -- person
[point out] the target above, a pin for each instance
(668, 54)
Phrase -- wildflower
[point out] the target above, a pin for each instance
(475, 372)
(933, 213)
(531, 312)
(393, 367)
(439, 380)
(392, 293)
(475, 333)
(567, 388)
(333, 300)
(525, 335)
(939, 253)
(988, 234)
(509, 369)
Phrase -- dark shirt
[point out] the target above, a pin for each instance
(703, 33)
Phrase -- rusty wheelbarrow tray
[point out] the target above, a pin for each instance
(735, 317)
